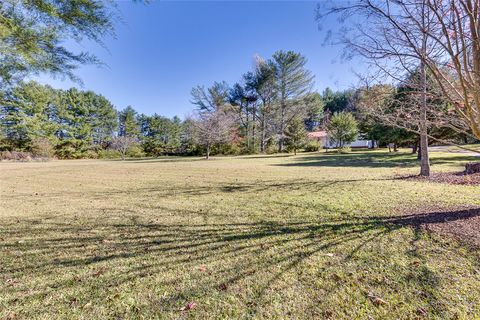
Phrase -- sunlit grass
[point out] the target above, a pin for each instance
(312, 236)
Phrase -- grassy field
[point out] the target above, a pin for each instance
(312, 236)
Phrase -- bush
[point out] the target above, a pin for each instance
(344, 150)
(90, 154)
(15, 156)
(230, 149)
(108, 154)
(135, 151)
(42, 148)
(67, 152)
(313, 146)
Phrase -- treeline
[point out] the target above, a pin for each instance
(72, 124)
(270, 110)
(267, 105)
(262, 112)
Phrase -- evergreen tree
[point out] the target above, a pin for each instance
(342, 129)
(128, 123)
(32, 35)
(293, 83)
(296, 134)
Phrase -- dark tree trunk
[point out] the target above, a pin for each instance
(415, 147)
(253, 127)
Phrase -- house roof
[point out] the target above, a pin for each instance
(317, 134)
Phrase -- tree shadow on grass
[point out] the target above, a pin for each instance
(256, 254)
(199, 190)
(369, 160)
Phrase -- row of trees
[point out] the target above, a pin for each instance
(266, 102)
(80, 124)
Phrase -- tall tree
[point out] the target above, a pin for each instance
(293, 82)
(32, 33)
(29, 112)
(128, 123)
(211, 98)
(103, 119)
(440, 37)
(264, 84)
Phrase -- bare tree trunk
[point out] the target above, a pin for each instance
(208, 151)
(424, 160)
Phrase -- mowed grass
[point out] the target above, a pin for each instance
(305, 237)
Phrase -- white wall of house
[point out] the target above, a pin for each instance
(359, 143)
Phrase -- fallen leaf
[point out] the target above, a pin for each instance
(223, 287)
(421, 311)
(377, 301)
(202, 269)
(188, 306)
(11, 282)
(73, 302)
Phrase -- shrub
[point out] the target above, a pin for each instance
(42, 148)
(344, 150)
(230, 149)
(90, 154)
(15, 156)
(67, 152)
(313, 146)
(108, 154)
(135, 151)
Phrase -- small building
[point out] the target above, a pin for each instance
(322, 137)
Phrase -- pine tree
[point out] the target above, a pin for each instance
(296, 134)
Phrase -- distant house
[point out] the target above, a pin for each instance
(322, 137)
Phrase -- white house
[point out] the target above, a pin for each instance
(322, 137)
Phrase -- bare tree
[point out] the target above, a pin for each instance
(398, 37)
(212, 128)
(456, 67)
(122, 144)
(392, 45)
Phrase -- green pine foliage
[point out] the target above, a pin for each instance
(296, 135)
(71, 124)
(342, 129)
(32, 33)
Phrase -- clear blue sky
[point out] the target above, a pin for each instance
(164, 49)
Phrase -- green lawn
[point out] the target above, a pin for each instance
(311, 236)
